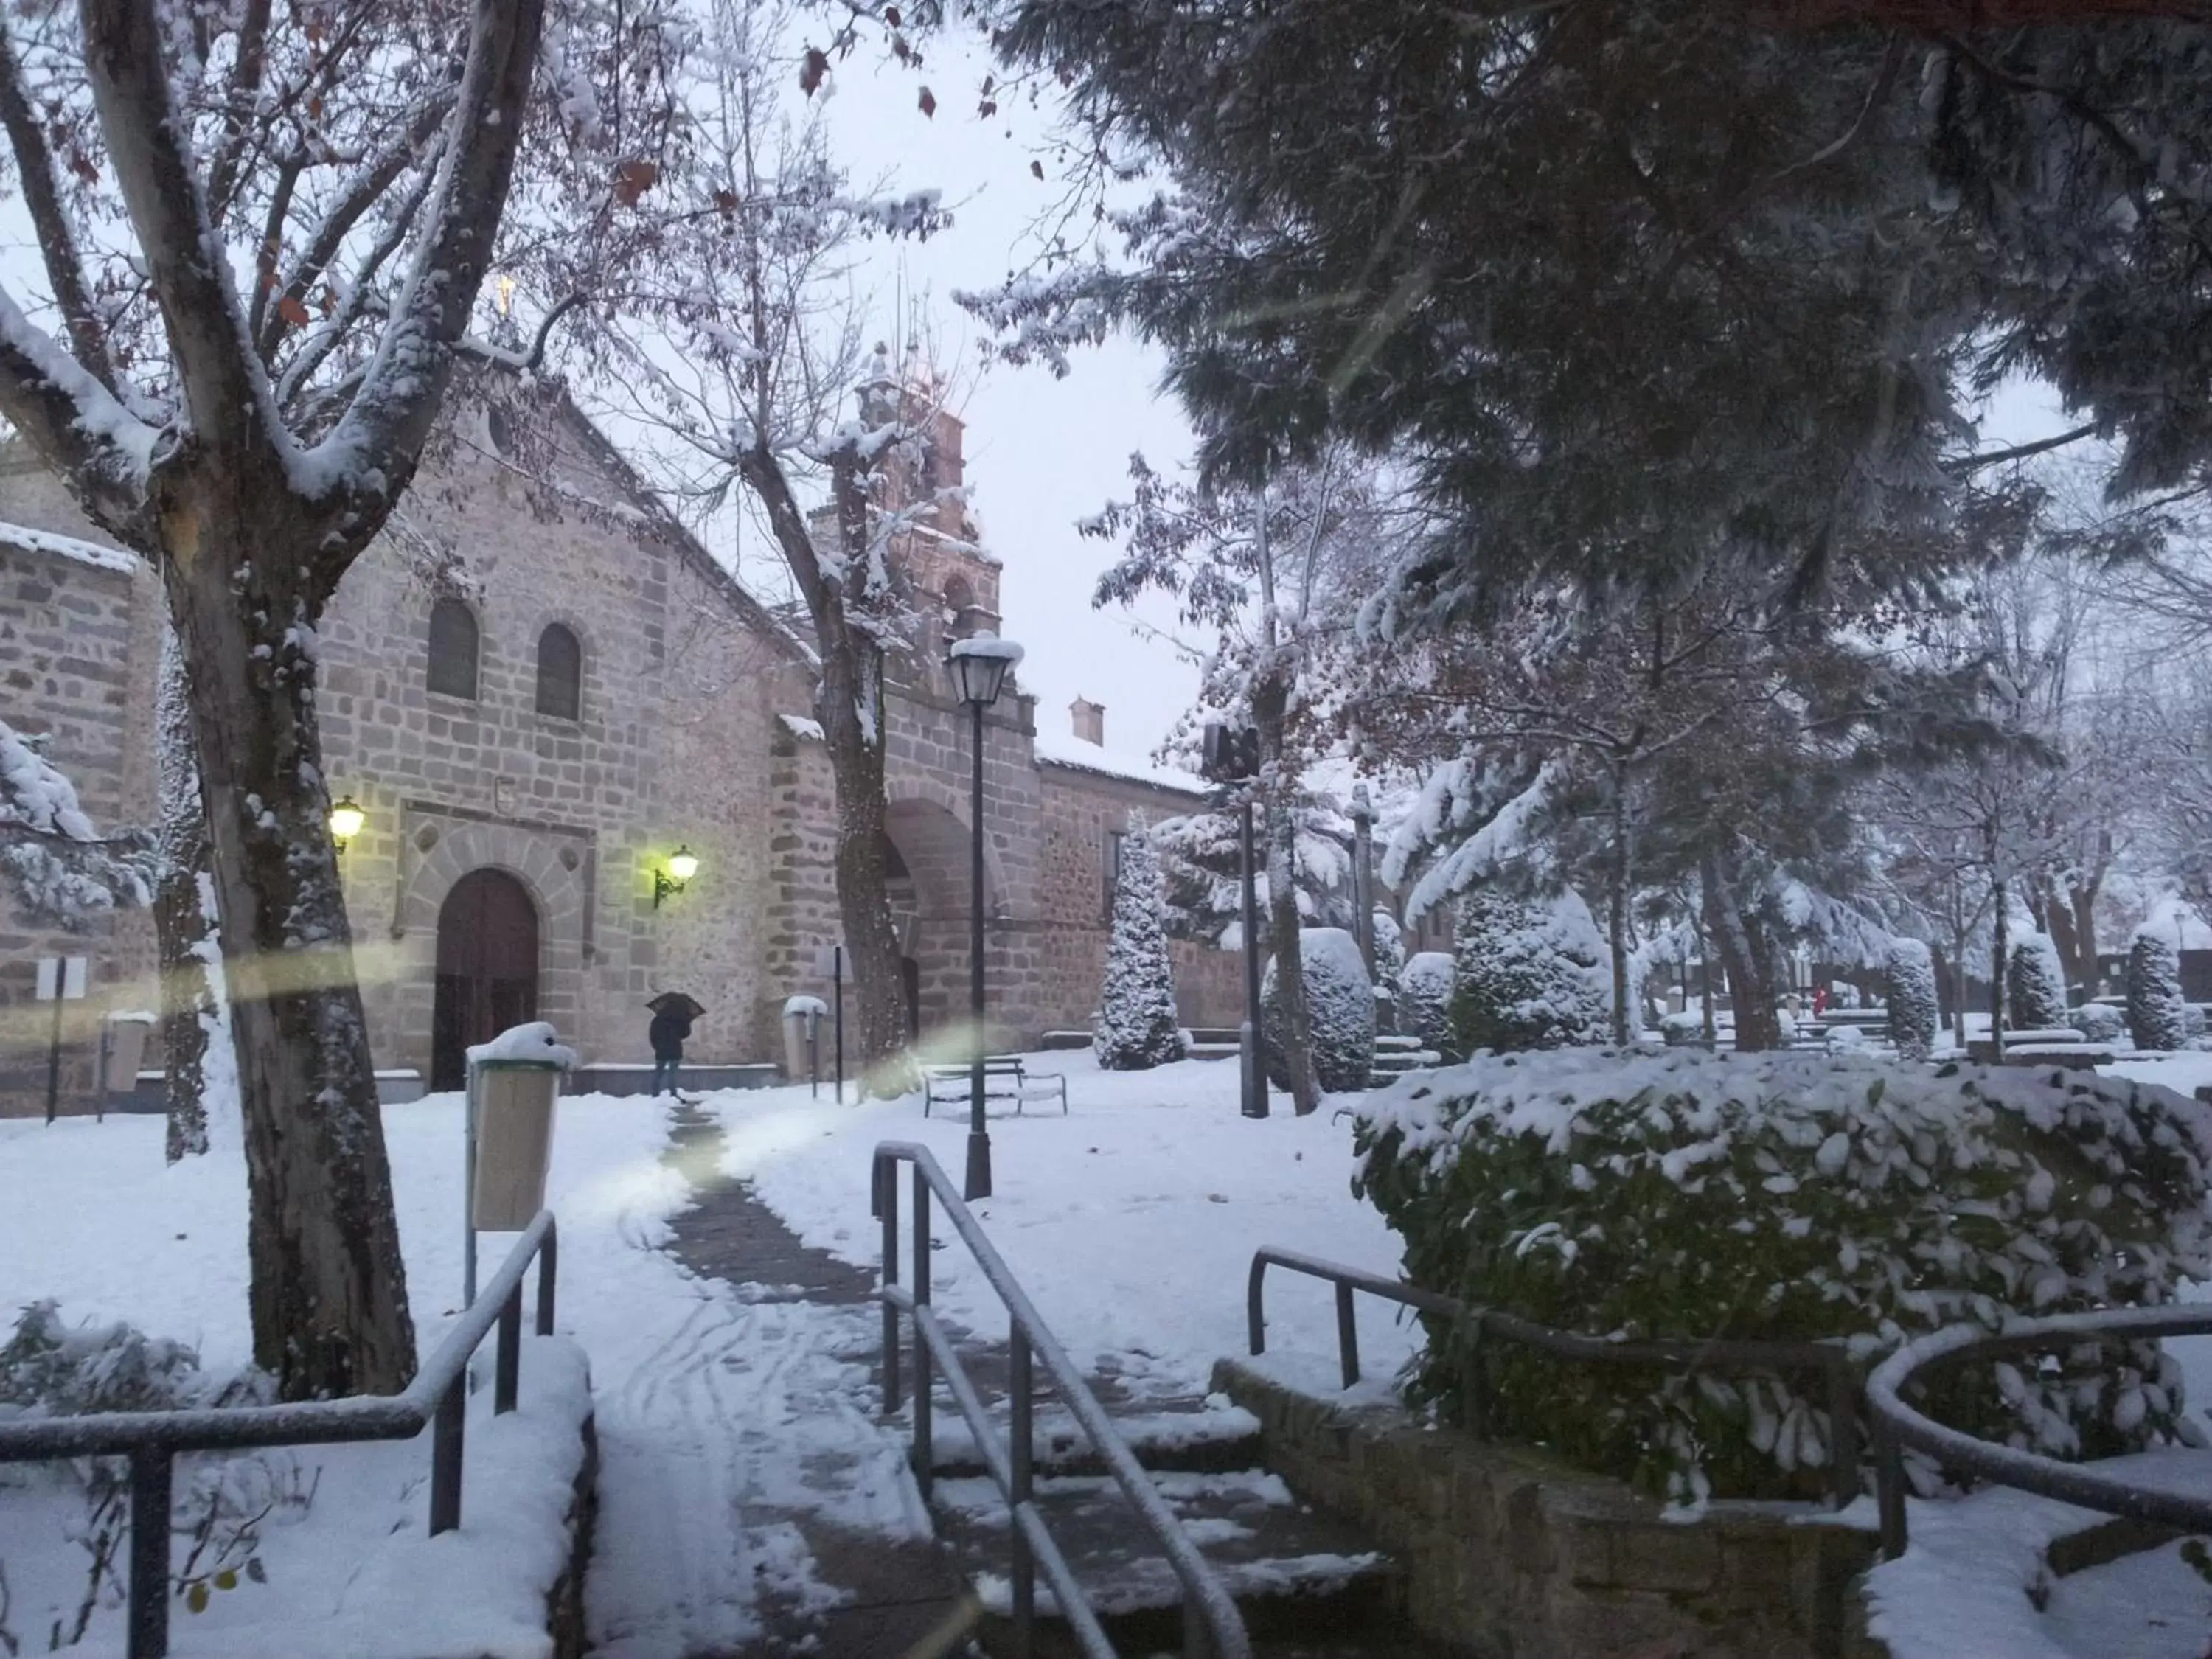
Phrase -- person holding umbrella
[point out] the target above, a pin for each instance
(672, 1014)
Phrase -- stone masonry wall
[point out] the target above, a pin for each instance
(78, 648)
(1509, 1554)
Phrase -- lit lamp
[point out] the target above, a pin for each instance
(346, 821)
(978, 665)
(682, 865)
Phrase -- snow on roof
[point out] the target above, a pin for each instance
(67, 547)
(1064, 750)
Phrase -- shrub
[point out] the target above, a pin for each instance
(1390, 969)
(2035, 984)
(1530, 974)
(1915, 1011)
(2157, 1016)
(1786, 1197)
(1424, 1000)
(1137, 1026)
(1340, 1003)
(2098, 1022)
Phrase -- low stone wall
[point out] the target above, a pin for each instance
(1509, 1554)
(564, 1602)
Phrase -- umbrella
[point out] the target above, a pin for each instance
(676, 1002)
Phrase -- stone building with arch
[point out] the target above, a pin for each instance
(538, 686)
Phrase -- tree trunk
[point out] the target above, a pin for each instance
(852, 682)
(1616, 921)
(1270, 706)
(180, 921)
(1997, 966)
(329, 1293)
(1748, 960)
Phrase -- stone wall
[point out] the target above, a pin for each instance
(79, 645)
(1509, 1554)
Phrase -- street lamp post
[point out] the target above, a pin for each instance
(1362, 879)
(978, 665)
(1233, 757)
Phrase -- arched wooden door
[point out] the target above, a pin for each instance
(486, 969)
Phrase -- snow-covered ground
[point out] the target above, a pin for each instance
(1131, 1222)
(94, 1218)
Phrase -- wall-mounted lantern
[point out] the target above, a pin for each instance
(346, 821)
(682, 865)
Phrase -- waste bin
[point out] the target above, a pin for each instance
(513, 1081)
(802, 1036)
(123, 1050)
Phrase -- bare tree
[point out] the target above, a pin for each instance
(744, 344)
(354, 158)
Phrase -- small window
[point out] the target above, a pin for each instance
(1112, 865)
(452, 650)
(560, 674)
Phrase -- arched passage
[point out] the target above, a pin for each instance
(928, 863)
(486, 969)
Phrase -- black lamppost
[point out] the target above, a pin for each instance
(1233, 757)
(1362, 879)
(978, 666)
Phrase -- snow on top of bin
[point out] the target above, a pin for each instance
(537, 1041)
(813, 1005)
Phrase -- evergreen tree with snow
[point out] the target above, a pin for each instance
(1909, 989)
(1531, 973)
(1390, 968)
(1340, 1011)
(1424, 1000)
(1137, 1027)
(64, 871)
(2035, 984)
(2157, 1018)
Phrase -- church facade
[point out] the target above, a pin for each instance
(538, 688)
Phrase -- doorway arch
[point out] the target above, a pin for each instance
(486, 969)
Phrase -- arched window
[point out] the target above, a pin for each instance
(452, 650)
(560, 673)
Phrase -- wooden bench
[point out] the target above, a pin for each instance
(1004, 1077)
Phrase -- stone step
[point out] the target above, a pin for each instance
(1296, 1572)
(1213, 1051)
(1183, 1436)
(1396, 1042)
(1206, 1035)
(1059, 1040)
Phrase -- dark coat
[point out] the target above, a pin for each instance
(669, 1029)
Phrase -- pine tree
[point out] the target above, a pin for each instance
(1339, 1011)
(1530, 973)
(1137, 1027)
(1424, 1000)
(2157, 1016)
(2035, 984)
(1908, 988)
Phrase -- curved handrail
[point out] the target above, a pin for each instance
(437, 1399)
(1203, 1592)
(1828, 1357)
(1896, 1424)
(305, 1422)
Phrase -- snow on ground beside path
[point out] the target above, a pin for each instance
(1960, 1591)
(1131, 1222)
(2184, 1073)
(702, 1401)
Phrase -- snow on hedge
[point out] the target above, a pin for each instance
(1137, 1026)
(2035, 984)
(2098, 1022)
(1789, 1196)
(1424, 998)
(1908, 988)
(1340, 1006)
(1531, 973)
(2157, 1018)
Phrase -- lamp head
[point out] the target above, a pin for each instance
(346, 821)
(978, 666)
(683, 864)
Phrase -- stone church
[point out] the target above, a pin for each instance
(538, 687)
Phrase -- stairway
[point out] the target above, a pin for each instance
(1395, 1054)
(1309, 1585)
(1214, 1043)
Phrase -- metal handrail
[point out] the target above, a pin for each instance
(1897, 1425)
(1828, 1357)
(1211, 1625)
(437, 1398)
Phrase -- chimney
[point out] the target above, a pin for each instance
(1089, 720)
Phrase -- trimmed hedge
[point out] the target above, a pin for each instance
(1786, 1197)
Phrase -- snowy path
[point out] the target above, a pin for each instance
(738, 1445)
